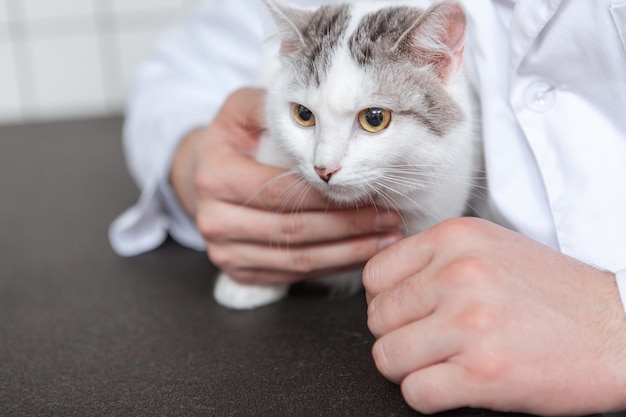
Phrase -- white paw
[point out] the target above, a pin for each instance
(245, 297)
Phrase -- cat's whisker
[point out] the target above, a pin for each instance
(267, 184)
(401, 178)
(409, 185)
(250, 134)
(301, 186)
(384, 186)
(381, 191)
(390, 188)
(260, 99)
(465, 179)
(420, 208)
(295, 191)
(420, 170)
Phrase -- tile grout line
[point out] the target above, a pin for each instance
(108, 29)
(20, 61)
(108, 51)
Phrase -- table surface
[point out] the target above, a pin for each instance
(84, 332)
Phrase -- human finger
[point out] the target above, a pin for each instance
(243, 116)
(415, 346)
(439, 244)
(411, 300)
(442, 386)
(396, 264)
(240, 223)
(272, 276)
(239, 179)
(303, 259)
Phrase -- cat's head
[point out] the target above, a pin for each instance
(369, 96)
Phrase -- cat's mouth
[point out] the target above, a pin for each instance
(345, 195)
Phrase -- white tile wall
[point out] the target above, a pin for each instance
(74, 58)
(132, 48)
(50, 9)
(9, 95)
(66, 75)
(4, 30)
(143, 5)
(3, 11)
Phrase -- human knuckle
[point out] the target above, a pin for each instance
(369, 275)
(408, 289)
(243, 276)
(205, 226)
(207, 184)
(232, 101)
(467, 270)
(302, 261)
(364, 249)
(456, 229)
(425, 399)
(293, 228)
(221, 257)
(488, 366)
(354, 224)
(372, 275)
(272, 194)
(380, 358)
(373, 318)
(209, 227)
(479, 319)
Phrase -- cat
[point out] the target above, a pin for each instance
(369, 103)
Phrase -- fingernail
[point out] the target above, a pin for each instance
(386, 221)
(388, 241)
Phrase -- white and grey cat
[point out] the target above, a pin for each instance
(369, 102)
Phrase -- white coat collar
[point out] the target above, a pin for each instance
(529, 19)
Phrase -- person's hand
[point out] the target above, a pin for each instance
(259, 226)
(471, 314)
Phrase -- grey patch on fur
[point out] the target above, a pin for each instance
(420, 91)
(438, 111)
(321, 35)
(378, 32)
(422, 95)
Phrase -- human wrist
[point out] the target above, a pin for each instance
(614, 324)
(182, 171)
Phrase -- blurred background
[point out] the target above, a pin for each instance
(71, 59)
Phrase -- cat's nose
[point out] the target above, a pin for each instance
(325, 173)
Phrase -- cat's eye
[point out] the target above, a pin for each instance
(303, 116)
(374, 119)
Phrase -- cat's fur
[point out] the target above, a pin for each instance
(337, 60)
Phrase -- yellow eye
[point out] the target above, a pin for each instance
(374, 119)
(303, 116)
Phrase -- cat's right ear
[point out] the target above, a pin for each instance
(437, 38)
(291, 22)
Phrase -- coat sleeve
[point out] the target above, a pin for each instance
(216, 49)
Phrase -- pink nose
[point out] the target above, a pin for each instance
(325, 173)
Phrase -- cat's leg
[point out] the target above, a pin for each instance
(245, 297)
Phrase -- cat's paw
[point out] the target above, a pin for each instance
(245, 297)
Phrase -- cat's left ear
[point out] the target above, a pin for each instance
(290, 21)
(437, 38)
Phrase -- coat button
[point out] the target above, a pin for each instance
(540, 96)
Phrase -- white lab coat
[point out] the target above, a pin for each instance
(552, 79)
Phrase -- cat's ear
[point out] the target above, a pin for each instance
(437, 38)
(290, 21)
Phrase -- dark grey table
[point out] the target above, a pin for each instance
(86, 333)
